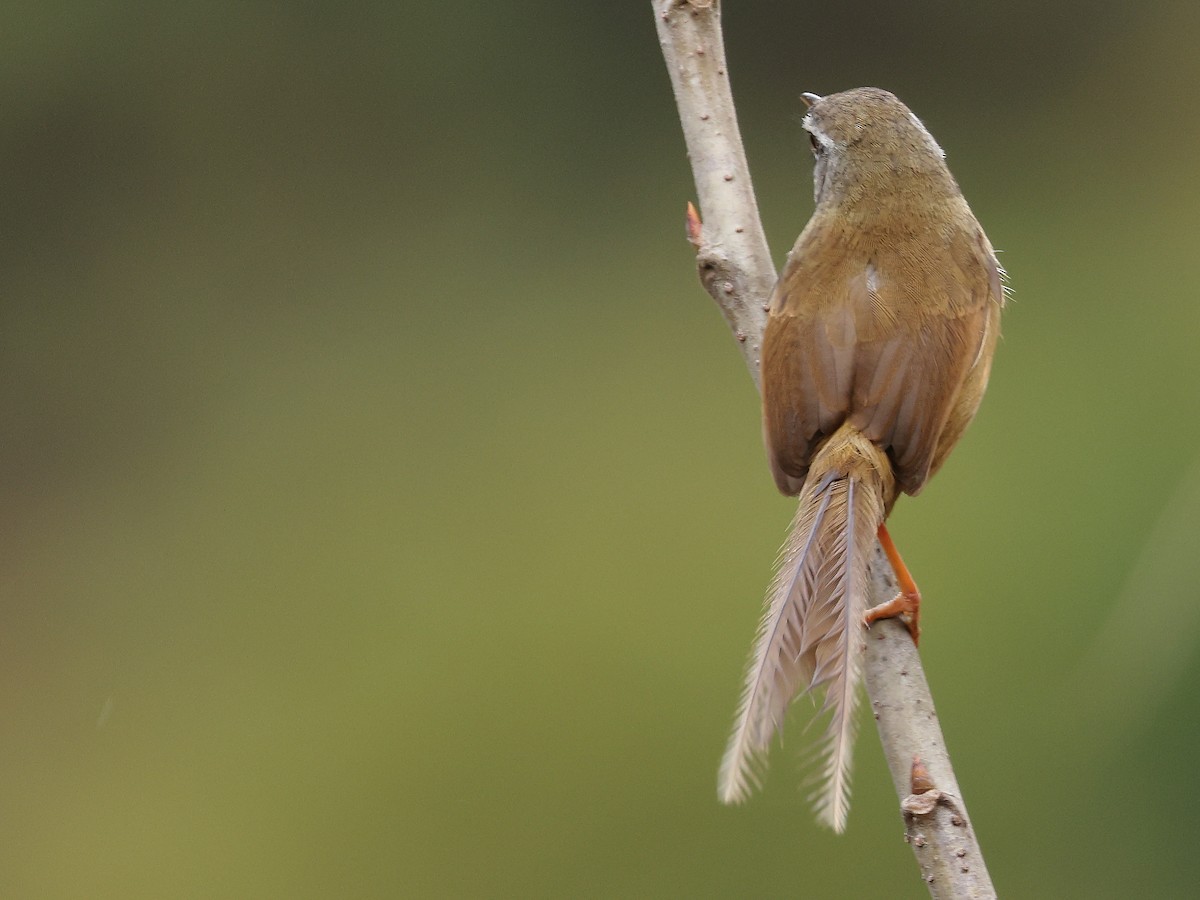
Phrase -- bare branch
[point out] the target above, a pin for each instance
(939, 831)
(731, 249)
(736, 270)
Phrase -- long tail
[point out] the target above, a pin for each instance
(811, 633)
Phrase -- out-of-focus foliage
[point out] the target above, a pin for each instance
(383, 506)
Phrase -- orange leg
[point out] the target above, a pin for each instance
(907, 604)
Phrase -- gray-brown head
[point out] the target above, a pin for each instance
(866, 139)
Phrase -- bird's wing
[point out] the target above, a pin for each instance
(880, 336)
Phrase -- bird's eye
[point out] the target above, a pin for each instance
(817, 146)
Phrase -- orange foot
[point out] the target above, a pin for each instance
(906, 605)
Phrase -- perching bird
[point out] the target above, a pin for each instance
(875, 358)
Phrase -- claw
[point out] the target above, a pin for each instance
(904, 606)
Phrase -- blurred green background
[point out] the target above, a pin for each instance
(384, 512)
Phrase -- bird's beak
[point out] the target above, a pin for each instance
(811, 99)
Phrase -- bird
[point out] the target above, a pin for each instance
(877, 350)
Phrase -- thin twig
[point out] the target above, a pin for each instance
(731, 248)
(735, 267)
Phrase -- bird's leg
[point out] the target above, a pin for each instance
(906, 605)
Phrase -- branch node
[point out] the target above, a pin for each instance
(921, 782)
(693, 225)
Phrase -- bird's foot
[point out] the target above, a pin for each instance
(905, 606)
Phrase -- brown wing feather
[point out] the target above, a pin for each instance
(852, 344)
(803, 401)
(969, 397)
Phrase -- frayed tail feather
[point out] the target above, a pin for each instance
(811, 636)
